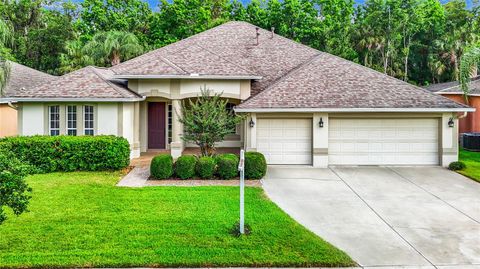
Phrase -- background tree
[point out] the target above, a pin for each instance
(468, 68)
(5, 38)
(113, 47)
(206, 120)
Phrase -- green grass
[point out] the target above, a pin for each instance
(472, 160)
(82, 220)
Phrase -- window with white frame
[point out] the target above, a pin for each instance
(71, 120)
(170, 121)
(54, 120)
(88, 116)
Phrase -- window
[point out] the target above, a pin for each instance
(229, 107)
(54, 120)
(169, 115)
(88, 120)
(71, 120)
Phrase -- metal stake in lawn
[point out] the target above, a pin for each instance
(241, 168)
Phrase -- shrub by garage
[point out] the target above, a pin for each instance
(255, 165)
(227, 166)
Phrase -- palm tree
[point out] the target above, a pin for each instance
(5, 38)
(468, 67)
(74, 58)
(113, 47)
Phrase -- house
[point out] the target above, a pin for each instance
(302, 106)
(20, 77)
(452, 90)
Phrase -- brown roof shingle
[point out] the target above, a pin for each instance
(331, 82)
(454, 87)
(88, 82)
(23, 77)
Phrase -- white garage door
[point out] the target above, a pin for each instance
(285, 141)
(383, 142)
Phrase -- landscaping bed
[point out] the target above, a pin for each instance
(80, 219)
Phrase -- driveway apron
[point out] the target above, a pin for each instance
(385, 216)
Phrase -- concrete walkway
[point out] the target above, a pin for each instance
(386, 217)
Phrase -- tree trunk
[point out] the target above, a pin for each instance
(115, 58)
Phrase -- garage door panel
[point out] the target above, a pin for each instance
(285, 141)
(383, 142)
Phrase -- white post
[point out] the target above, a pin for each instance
(241, 168)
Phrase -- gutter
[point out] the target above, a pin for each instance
(96, 100)
(190, 76)
(420, 110)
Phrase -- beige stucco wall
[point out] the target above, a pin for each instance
(120, 119)
(186, 88)
(8, 121)
(448, 138)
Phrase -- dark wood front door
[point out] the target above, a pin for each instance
(156, 125)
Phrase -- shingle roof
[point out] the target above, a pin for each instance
(328, 81)
(88, 82)
(23, 77)
(229, 50)
(454, 87)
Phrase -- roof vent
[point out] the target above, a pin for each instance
(256, 29)
(273, 31)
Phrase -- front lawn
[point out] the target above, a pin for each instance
(472, 160)
(82, 220)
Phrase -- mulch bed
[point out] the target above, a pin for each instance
(201, 182)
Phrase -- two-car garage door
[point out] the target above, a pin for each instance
(352, 141)
(383, 142)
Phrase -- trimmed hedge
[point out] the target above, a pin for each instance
(205, 167)
(227, 165)
(455, 166)
(255, 165)
(185, 166)
(161, 166)
(70, 153)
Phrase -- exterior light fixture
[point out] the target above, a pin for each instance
(450, 123)
(320, 123)
(251, 123)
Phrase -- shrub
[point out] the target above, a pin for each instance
(206, 167)
(185, 166)
(255, 165)
(227, 165)
(70, 153)
(14, 191)
(457, 166)
(161, 166)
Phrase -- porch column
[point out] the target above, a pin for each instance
(176, 146)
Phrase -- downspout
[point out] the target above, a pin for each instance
(462, 116)
(10, 104)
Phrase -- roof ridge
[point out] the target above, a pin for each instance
(163, 47)
(33, 69)
(172, 64)
(286, 75)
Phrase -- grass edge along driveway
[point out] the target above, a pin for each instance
(81, 219)
(472, 161)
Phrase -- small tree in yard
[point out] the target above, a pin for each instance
(207, 121)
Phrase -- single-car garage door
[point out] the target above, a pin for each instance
(285, 141)
(383, 142)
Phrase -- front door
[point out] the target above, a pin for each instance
(156, 125)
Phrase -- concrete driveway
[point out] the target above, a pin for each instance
(425, 217)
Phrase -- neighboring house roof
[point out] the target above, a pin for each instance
(23, 77)
(88, 83)
(332, 83)
(455, 88)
